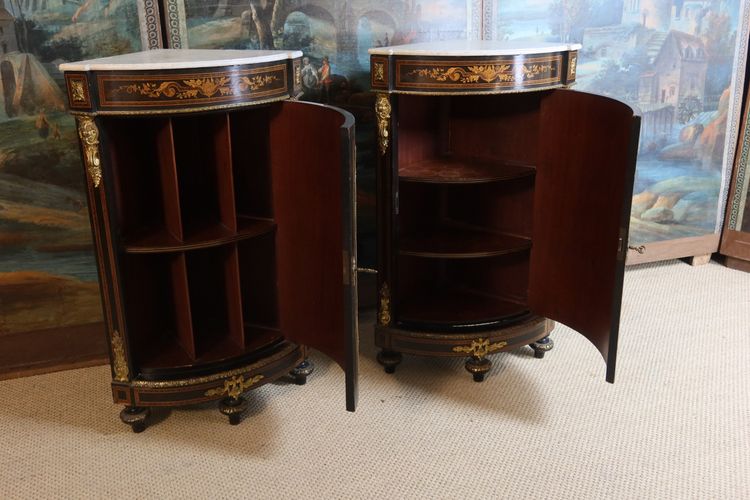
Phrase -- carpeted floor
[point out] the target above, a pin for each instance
(676, 424)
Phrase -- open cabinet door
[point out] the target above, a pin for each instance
(583, 190)
(313, 186)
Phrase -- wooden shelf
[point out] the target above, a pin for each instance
(167, 357)
(459, 241)
(200, 236)
(457, 309)
(452, 170)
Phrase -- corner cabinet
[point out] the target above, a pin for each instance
(223, 220)
(503, 201)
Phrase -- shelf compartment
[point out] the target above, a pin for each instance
(169, 361)
(459, 241)
(144, 178)
(458, 309)
(204, 168)
(258, 288)
(473, 219)
(157, 309)
(251, 162)
(454, 170)
(214, 300)
(453, 294)
(156, 241)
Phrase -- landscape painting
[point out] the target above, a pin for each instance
(48, 277)
(334, 36)
(681, 62)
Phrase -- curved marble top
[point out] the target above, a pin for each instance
(180, 59)
(473, 48)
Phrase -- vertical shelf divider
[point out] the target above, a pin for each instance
(169, 183)
(234, 297)
(224, 180)
(181, 300)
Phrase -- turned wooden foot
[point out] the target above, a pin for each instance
(389, 360)
(478, 367)
(135, 417)
(541, 346)
(301, 372)
(233, 408)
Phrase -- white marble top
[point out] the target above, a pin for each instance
(473, 48)
(179, 59)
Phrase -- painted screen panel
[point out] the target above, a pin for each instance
(681, 63)
(48, 273)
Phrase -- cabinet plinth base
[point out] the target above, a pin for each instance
(541, 346)
(389, 360)
(135, 417)
(233, 408)
(302, 371)
(478, 367)
(396, 341)
(226, 386)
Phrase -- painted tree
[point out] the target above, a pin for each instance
(569, 18)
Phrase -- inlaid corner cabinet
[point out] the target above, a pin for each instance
(503, 201)
(223, 221)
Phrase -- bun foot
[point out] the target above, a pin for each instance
(233, 408)
(541, 346)
(301, 372)
(135, 417)
(478, 367)
(389, 360)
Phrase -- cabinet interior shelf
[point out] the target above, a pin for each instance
(458, 308)
(458, 170)
(460, 241)
(201, 236)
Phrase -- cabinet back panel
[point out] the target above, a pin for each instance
(419, 131)
(252, 174)
(499, 127)
(145, 195)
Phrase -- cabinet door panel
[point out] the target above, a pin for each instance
(312, 168)
(583, 191)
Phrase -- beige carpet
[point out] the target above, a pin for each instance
(675, 425)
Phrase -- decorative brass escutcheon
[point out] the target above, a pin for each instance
(119, 363)
(383, 112)
(89, 134)
(384, 314)
(480, 347)
(234, 386)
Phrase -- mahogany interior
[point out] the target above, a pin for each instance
(466, 192)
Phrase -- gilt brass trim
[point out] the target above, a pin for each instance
(383, 113)
(119, 363)
(89, 134)
(384, 311)
(163, 384)
(480, 347)
(192, 109)
(234, 386)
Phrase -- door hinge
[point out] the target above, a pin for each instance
(395, 204)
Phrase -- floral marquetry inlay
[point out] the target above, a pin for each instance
(199, 87)
(480, 347)
(489, 73)
(234, 386)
